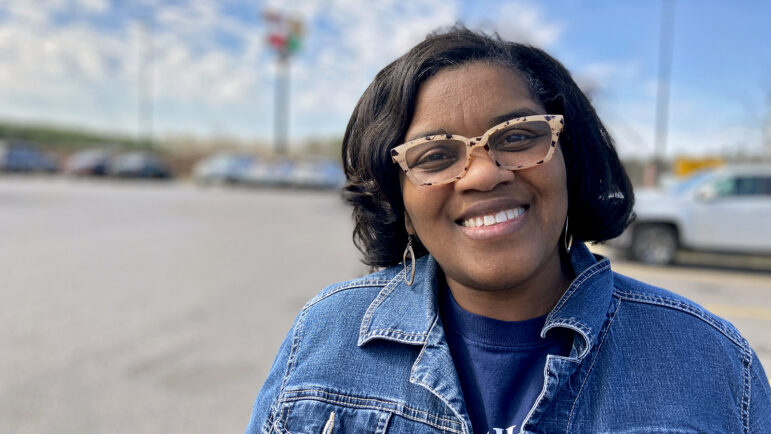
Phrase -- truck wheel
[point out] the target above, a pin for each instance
(655, 244)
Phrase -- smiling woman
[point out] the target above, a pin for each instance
(476, 169)
(476, 261)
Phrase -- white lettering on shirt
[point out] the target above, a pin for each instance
(509, 430)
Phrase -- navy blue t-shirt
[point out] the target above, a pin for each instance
(500, 364)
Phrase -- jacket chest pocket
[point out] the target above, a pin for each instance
(324, 412)
(319, 417)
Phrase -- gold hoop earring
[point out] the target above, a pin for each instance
(568, 240)
(409, 250)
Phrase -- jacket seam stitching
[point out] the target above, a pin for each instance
(581, 328)
(387, 289)
(395, 333)
(382, 423)
(296, 337)
(583, 277)
(746, 394)
(267, 427)
(681, 306)
(540, 397)
(268, 422)
(357, 283)
(591, 367)
(286, 420)
(336, 289)
(438, 395)
(448, 422)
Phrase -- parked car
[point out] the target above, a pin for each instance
(139, 165)
(268, 173)
(723, 210)
(22, 156)
(223, 167)
(89, 162)
(322, 174)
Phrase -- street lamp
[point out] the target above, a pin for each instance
(662, 96)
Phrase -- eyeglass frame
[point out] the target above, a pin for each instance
(556, 123)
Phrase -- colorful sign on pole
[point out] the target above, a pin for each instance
(284, 33)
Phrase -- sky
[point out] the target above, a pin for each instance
(77, 63)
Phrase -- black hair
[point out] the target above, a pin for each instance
(600, 196)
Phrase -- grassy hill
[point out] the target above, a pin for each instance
(56, 138)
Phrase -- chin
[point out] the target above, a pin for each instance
(499, 278)
(505, 270)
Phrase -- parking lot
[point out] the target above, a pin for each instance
(145, 307)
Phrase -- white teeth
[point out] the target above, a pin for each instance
(492, 219)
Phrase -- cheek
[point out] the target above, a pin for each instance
(557, 175)
(562, 179)
(552, 184)
(423, 207)
(561, 196)
(413, 203)
(405, 200)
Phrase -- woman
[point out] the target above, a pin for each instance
(476, 169)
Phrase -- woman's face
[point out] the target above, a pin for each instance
(523, 250)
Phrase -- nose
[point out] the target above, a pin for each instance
(483, 173)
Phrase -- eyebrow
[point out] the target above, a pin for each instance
(493, 122)
(434, 132)
(511, 115)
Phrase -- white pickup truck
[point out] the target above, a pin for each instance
(722, 210)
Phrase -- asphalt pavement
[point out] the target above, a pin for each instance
(141, 307)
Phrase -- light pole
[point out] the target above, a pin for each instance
(662, 95)
(145, 84)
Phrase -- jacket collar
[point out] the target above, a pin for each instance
(583, 308)
(404, 313)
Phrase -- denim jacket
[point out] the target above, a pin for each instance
(370, 356)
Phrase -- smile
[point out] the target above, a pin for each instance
(494, 219)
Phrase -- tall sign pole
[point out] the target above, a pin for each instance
(145, 83)
(281, 106)
(284, 36)
(767, 129)
(662, 96)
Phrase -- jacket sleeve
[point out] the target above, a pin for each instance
(262, 412)
(760, 398)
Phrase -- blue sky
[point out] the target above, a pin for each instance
(75, 62)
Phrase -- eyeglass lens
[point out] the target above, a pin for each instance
(514, 147)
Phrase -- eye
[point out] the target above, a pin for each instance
(435, 155)
(435, 159)
(516, 137)
(521, 137)
(517, 140)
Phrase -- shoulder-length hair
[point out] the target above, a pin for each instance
(600, 196)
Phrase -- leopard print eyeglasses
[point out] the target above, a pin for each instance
(516, 144)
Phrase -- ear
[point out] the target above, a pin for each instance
(408, 224)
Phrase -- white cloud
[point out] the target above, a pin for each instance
(609, 71)
(694, 127)
(81, 71)
(367, 37)
(32, 13)
(93, 6)
(525, 22)
(76, 64)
